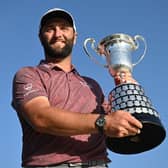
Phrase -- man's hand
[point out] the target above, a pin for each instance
(121, 124)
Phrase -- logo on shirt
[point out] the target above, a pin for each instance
(29, 89)
(28, 86)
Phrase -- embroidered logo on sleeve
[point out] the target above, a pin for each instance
(29, 89)
(28, 86)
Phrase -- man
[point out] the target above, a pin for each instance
(61, 112)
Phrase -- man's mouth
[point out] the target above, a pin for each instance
(57, 41)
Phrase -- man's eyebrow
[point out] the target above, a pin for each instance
(66, 24)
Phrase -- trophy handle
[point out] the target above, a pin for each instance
(92, 41)
(136, 38)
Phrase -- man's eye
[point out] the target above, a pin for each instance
(48, 29)
(63, 27)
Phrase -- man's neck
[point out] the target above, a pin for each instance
(65, 64)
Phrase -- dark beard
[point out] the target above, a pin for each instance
(58, 54)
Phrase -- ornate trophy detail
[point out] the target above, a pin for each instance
(128, 95)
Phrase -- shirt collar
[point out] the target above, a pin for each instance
(51, 66)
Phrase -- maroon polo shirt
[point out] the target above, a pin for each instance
(64, 90)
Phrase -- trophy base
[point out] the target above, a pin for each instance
(152, 134)
(131, 98)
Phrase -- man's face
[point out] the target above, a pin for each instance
(57, 37)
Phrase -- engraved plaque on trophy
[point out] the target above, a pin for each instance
(129, 96)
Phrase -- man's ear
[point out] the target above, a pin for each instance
(75, 37)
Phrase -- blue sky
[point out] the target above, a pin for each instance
(19, 46)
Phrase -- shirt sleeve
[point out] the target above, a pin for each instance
(26, 86)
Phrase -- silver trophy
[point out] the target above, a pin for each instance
(118, 50)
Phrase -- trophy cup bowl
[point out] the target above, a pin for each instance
(128, 96)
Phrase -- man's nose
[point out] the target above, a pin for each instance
(57, 32)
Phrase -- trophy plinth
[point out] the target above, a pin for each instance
(128, 96)
(131, 97)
